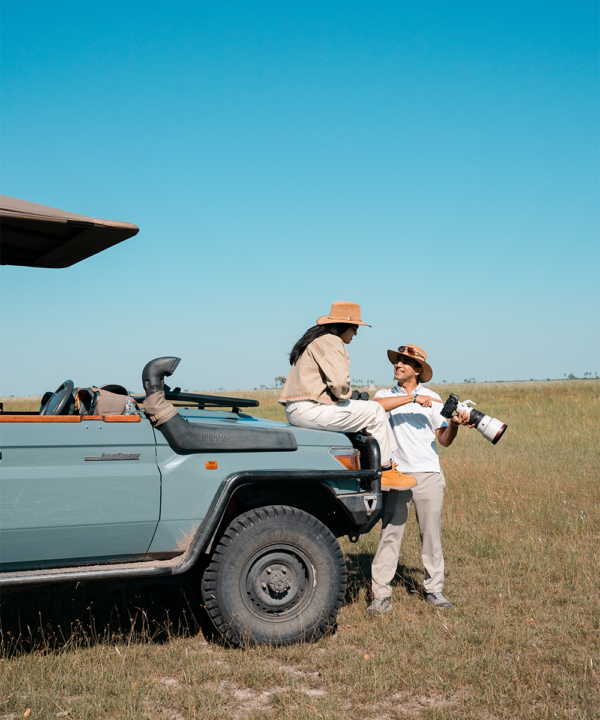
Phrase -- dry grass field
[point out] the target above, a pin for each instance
(522, 543)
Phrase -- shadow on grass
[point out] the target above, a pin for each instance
(52, 618)
(86, 614)
(359, 577)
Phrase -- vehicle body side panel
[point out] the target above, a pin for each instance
(188, 487)
(58, 508)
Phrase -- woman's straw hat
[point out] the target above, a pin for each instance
(342, 312)
(414, 352)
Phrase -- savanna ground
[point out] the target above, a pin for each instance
(521, 536)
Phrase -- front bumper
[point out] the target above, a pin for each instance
(363, 509)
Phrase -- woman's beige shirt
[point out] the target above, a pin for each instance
(321, 374)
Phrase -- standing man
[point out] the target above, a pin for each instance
(414, 414)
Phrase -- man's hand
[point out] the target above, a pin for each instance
(425, 400)
(445, 436)
(462, 419)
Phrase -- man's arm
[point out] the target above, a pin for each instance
(445, 436)
(391, 403)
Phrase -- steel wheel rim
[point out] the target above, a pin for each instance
(284, 592)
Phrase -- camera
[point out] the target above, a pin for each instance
(491, 428)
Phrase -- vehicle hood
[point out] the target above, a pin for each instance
(304, 436)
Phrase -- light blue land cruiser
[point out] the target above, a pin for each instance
(92, 497)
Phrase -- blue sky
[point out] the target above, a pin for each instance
(435, 162)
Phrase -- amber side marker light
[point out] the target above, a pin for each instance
(350, 459)
(212, 465)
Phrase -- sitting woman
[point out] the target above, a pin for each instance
(317, 391)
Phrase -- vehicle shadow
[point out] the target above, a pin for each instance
(359, 577)
(86, 614)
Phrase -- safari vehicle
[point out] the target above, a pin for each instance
(257, 504)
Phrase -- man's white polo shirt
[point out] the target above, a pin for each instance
(414, 428)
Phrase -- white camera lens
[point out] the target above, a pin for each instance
(491, 428)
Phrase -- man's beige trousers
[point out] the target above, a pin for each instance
(428, 498)
(346, 416)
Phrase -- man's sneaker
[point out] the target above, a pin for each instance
(395, 479)
(379, 607)
(438, 600)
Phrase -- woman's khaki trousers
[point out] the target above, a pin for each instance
(346, 416)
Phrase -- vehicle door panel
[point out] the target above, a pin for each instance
(59, 508)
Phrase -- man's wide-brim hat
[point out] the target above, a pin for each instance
(343, 312)
(414, 352)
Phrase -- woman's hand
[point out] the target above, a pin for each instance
(425, 400)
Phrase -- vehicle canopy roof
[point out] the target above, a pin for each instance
(35, 235)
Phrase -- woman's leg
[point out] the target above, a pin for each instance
(379, 428)
(353, 416)
(348, 416)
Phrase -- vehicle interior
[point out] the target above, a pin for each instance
(70, 404)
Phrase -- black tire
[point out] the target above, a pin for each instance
(277, 576)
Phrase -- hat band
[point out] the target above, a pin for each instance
(410, 351)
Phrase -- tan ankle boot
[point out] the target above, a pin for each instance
(395, 479)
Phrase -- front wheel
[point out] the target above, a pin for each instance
(277, 576)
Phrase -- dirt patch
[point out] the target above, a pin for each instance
(244, 701)
(159, 712)
(169, 682)
(248, 701)
(296, 672)
(410, 705)
(186, 539)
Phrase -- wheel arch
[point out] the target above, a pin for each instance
(315, 498)
(285, 487)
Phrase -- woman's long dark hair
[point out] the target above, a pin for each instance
(316, 331)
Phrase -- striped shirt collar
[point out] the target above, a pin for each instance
(401, 391)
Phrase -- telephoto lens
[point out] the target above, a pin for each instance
(491, 428)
